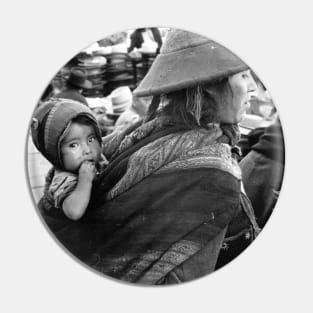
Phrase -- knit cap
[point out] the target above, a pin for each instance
(51, 120)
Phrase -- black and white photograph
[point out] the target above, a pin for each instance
(156, 159)
(156, 156)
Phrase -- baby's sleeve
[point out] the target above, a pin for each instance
(61, 187)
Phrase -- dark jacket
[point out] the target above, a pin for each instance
(263, 169)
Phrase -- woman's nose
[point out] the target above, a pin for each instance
(252, 87)
(252, 84)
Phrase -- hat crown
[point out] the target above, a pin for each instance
(77, 77)
(178, 39)
(188, 59)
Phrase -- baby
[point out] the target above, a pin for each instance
(67, 134)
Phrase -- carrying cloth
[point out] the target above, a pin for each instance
(171, 205)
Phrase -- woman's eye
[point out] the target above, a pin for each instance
(246, 75)
(73, 145)
(92, 139)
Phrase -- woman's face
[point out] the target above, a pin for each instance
(243, 87)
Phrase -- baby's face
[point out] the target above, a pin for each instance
(79, 145)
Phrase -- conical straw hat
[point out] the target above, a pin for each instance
(188, 59)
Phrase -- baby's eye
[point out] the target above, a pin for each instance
(92, 139)
(73, 145)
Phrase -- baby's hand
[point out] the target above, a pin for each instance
(87, 171)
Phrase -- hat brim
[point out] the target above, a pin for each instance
(195, 65)
(87, 84)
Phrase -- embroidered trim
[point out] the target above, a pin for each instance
(215, 156)
(150, 266)
(141, 265)
(161, 264)
(191, 149)
(173, 257)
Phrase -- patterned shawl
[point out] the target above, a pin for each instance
(160, 209)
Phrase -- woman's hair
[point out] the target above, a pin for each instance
(196, 106)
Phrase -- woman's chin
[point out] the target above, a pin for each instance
(234, 120)
(241, 118)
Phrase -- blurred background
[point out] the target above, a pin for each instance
(103, 77)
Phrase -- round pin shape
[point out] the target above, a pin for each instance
(175, 193)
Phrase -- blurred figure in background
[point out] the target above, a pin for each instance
(136, 112)
(113, 39)
(141, 35)
(263, 168)
(74, 86)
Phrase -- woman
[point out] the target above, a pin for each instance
(170, 201)
(75, 85)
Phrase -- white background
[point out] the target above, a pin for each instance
(274, 38)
